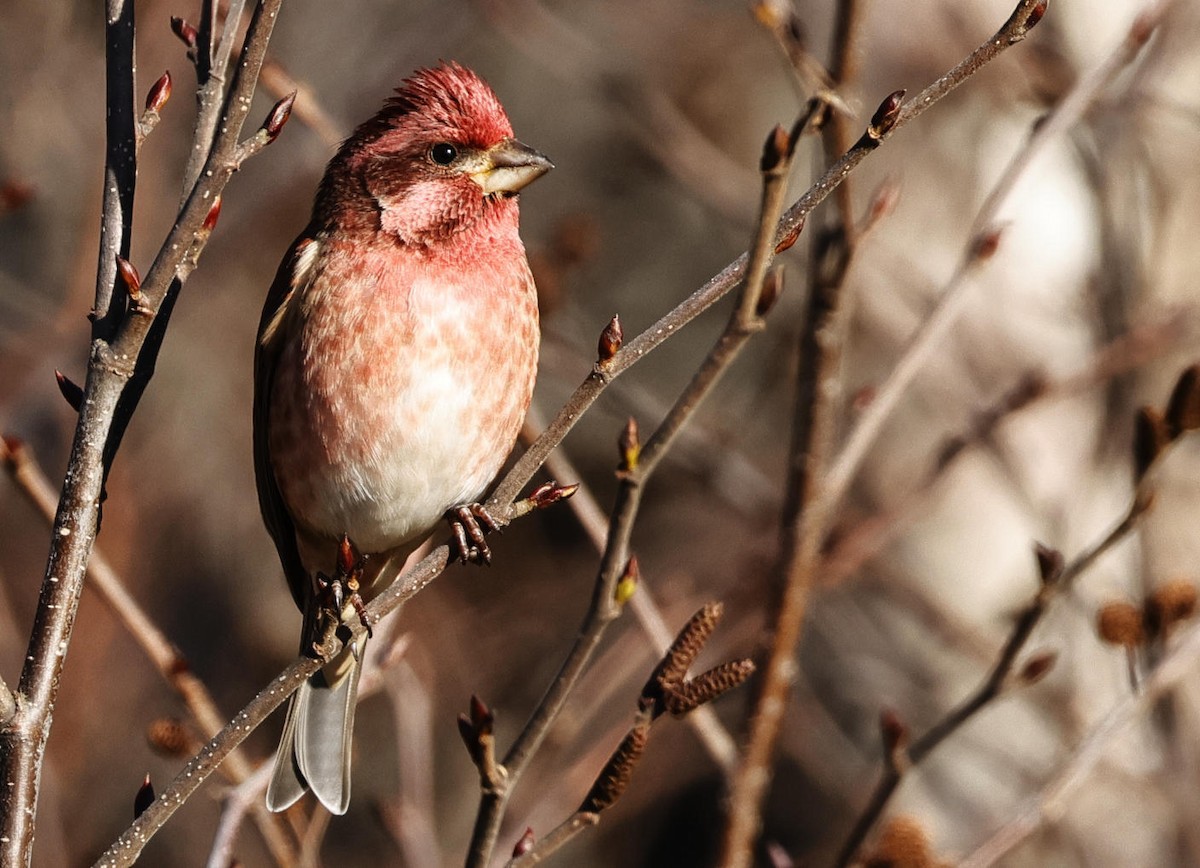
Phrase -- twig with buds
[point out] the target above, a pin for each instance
(667, 690)
(1181, 415)
(167, 659)
(505, 502)
(618, 568)
(123, 353)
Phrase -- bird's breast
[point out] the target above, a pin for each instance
(401, 388)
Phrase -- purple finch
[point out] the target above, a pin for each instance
(395, 362)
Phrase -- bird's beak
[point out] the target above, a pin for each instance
(507, 167)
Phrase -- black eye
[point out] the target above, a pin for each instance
(443, 153)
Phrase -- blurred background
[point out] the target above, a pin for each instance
(654, 115)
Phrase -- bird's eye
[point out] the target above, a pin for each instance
(443, 153)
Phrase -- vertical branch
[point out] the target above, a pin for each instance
(808, 508)
(23, 739)
(120, 163)
(121, 347)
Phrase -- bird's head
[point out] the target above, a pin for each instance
(432, 162)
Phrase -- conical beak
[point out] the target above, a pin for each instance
(508, 167)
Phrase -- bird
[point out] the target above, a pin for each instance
(394, 365)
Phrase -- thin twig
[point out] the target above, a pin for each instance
(1178, 664)
(704, 721)
(166, 658)
(639, 465)
(997, 681)
(935, 326)
(809, 508)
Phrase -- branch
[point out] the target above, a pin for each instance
(1155, 433)
(1179, 663)
(981, 243)
(166, 658)
(119, 337)
(638, 464)
(504, 503)
(667, 690)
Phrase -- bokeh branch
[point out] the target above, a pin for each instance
(1155, 432)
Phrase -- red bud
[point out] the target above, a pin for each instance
(610, 340)
(778, 146)
(1035, 15)
(885, 116)
(70, 390)
(186, 32)
(213, 215)
(160, 92)
(791, 238)
(144, 797)
(279, 115)
(130, 277)
(524, 845)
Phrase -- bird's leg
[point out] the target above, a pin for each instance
(469, 523)
(335, 592)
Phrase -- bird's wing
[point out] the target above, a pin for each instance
(294, 272)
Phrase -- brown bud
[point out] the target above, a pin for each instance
(893, 731)
(903, 842)
(169, 736)
(610, 340)
(186, 32)
(1150, 437)
(1183, 408)
(776, 150)
(70, 390)
(13, 450)
(986, 243)
(159, 93)
(15, 194)
(482, 717)
(1169, 604)
(525, 843)
(885, 116)
(279, 115)
(144, 797)
(1035, 15)
(614, 777)
(793, 235)
(131, 278)
(883, 201)
(772, 288)
(629, 447)
(1050, 563)
(469, 738)
(1120, 623)
(1038, 667)
(1143, 28)
(213, 215)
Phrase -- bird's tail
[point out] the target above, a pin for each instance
(314, 750)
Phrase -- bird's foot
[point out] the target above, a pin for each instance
(342, 588)
(469, 523)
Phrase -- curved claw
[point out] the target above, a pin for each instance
(469, 523)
